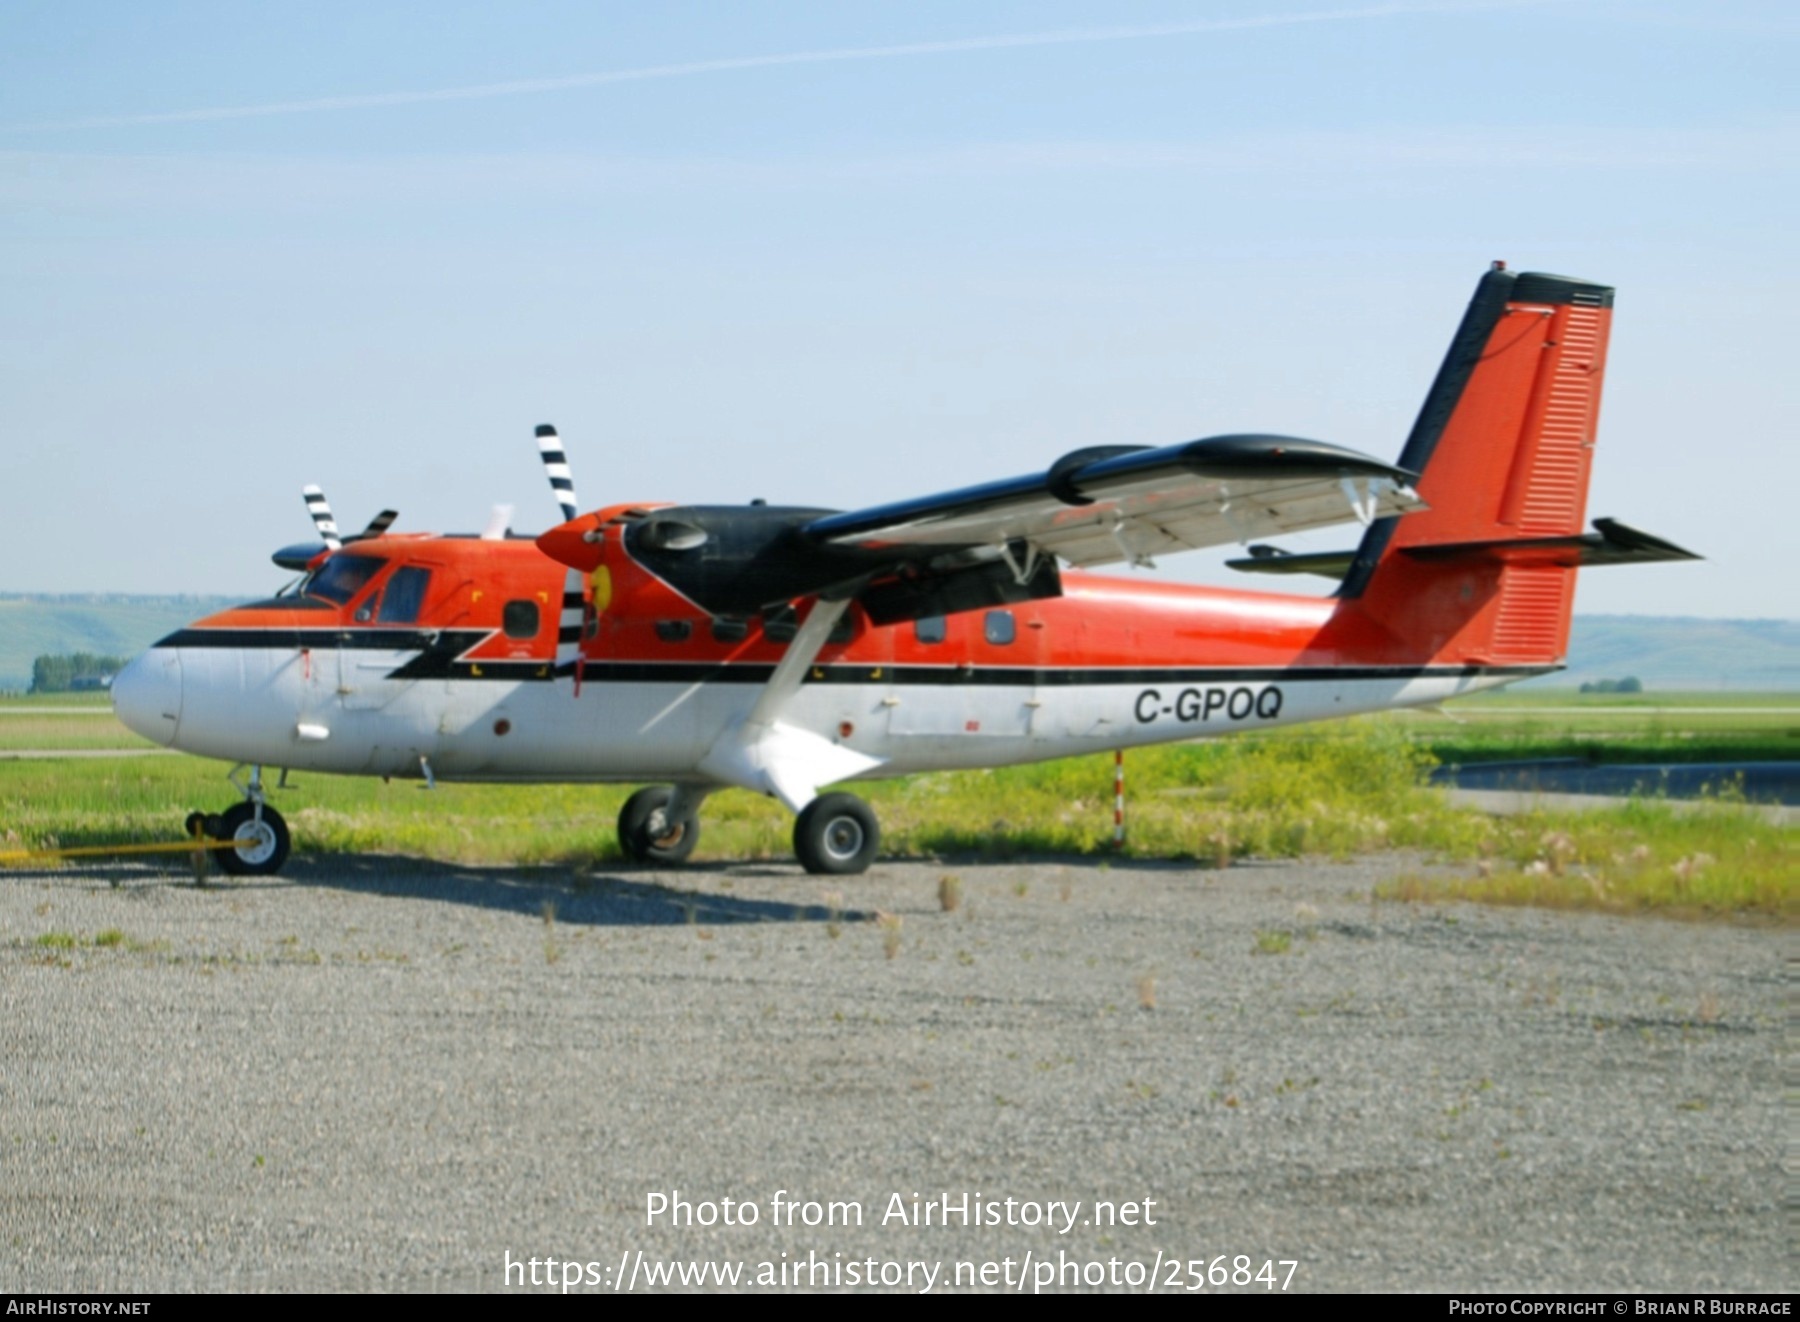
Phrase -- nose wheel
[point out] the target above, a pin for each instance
(258, 837)
(259, 840)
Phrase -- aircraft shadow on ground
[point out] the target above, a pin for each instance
(602, 899)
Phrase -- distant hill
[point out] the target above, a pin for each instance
(1680, 652)
(1665, 652)
(33, 625)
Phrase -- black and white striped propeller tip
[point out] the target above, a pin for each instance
(556, 468)
(320, 509)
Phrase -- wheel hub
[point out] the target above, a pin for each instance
(255, 841)
(844, 837)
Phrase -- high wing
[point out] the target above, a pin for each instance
(998, 542)
(1112, 504)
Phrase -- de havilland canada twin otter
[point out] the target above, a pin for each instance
(784, 650)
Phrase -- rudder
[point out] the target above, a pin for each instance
(1504, 448)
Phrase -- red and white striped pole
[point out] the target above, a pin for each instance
(1118, 798)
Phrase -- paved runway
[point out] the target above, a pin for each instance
(386, 1074)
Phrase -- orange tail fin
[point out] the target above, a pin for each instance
(1503, 446)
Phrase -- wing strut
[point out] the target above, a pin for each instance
(764, 753)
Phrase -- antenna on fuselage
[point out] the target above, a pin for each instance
(498, 525)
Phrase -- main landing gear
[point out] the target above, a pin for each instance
(660, 825)
(835, 834)
(258, 835)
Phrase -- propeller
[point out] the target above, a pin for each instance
(300, 555)
(574, 602)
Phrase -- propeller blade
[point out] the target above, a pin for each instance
(320, 509)
(556, 468)
(377, 525)
(575, 593)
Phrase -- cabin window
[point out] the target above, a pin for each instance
(520, 619)
(674, 631)
(998, 628)
(730, 631)
(342, 576)
(404, 595)
(780, 625)
(931, 629)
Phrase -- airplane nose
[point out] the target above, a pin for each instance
(146, 695)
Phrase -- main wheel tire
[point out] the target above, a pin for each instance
(836, 834)
(648, 834)
(261, 845)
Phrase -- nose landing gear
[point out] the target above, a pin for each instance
(258, 835)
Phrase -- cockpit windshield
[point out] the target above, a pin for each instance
(341, 577)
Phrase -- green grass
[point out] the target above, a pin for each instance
(1334, 790)
(1641, 857)
(27, 701)
(1639, 727)
(1535, 696)
(98, 729)
(63, 721)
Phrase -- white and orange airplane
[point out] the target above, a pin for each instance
(783, 650)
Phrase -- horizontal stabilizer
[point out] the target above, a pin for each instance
(1264, 559)
(1612, 543)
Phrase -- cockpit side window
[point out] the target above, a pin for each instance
(404, 594)
(341, 577)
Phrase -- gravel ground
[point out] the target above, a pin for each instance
(376, 1074)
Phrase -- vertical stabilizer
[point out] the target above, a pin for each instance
(1504, 446)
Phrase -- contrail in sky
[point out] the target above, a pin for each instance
(1065, 37)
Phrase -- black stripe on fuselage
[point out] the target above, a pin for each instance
(363, 640)
(601, 672)
(440, 657)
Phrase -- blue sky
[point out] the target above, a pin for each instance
(838, 255)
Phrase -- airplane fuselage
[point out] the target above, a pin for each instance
(319, 686)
